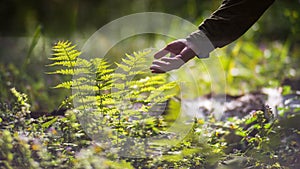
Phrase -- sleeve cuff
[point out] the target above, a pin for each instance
(200, 44)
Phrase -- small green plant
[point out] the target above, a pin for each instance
(22, 101)
(125, 99)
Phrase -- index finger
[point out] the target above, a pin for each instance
(161, 53)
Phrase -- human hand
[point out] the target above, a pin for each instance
(180, 53)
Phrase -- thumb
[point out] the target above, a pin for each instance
(187, 54)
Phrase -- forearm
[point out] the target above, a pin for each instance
(230, 21)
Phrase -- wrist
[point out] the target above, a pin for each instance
(199, 44)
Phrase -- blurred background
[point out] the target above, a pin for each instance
(266, 56)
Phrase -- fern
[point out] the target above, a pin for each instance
(123, 98)
(140, 99)
(65, 51)
(135, 83)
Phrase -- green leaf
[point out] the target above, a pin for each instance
(241, 133)
(49, 123)
(35, 39)
(66, 85)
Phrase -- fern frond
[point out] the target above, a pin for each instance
(128, 61)
(129, 56)
(167, 86)
(82, 63)
(63, 63)
(64, 51)
(70, 71)
(66, 85)
(147, 89)
(124, 67)
(136, 73)
(87, 88)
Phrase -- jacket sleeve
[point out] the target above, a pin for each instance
(230, 21)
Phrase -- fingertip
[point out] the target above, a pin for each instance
(156, 69)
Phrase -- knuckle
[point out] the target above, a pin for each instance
(168, 46)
